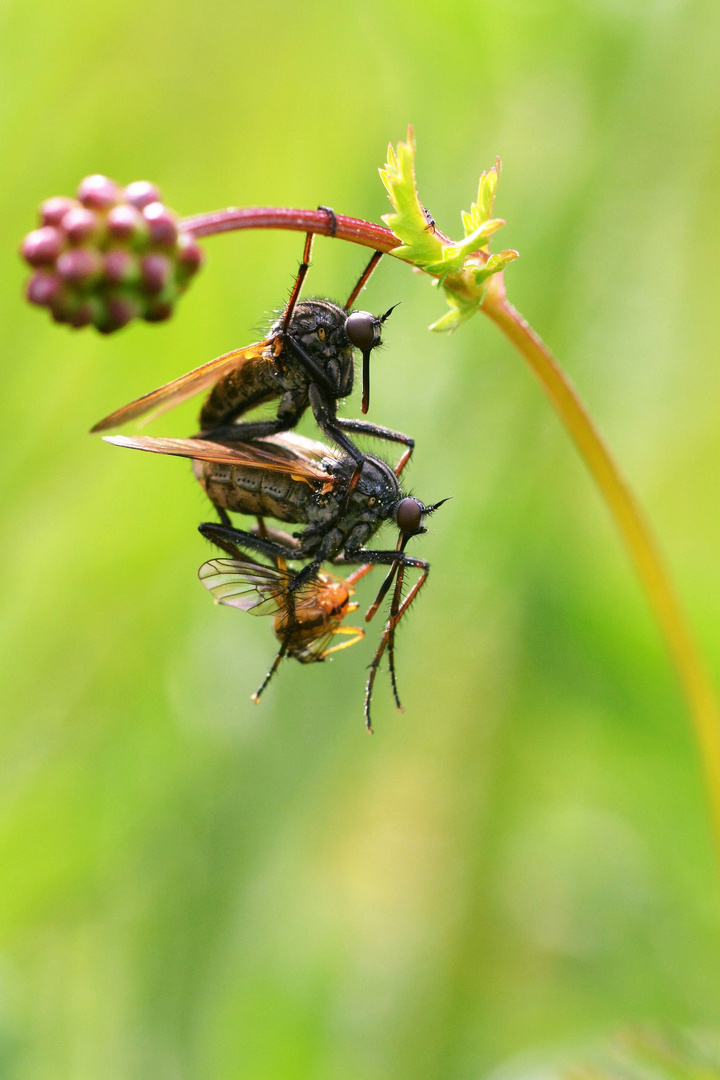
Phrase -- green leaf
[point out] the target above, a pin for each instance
(461, 267)
(420, 245)
(460, 310)
(494, 265)
(481, 210)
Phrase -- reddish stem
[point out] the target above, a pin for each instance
(355, 230)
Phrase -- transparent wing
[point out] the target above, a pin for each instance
(244, 584)
(178, 390)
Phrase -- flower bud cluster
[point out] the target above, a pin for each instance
(109, 256)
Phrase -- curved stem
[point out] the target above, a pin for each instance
(634, 529)
(355, 230)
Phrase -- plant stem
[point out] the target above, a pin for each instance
(268, 217)
(634, 529)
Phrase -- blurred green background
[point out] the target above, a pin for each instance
(194, 887)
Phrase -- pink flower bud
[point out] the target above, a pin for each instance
(43, 288)
(52, 211)
(79, 224)
(63, 305)
(155, 271)
(161, 223)
(79, 266)
(158, 311)
(98, 192)
(190, 255)
(42, 246)
(141, 193)
(124, 222)
(121, 310)
(85, 313)
(121, 267)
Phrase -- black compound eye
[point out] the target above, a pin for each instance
(409, 516)
(360, 328)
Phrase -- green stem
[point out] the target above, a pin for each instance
(634, 529)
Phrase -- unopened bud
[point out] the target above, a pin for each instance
(125, 222)
(141, 193)
(79, 224)
(109, 256)
(120, 311)
(190, 255)
(159, 311)
(161, 224)
(79, 266)
(121, 267)
(155, 272)
(43, 288)
(42, 246)
(87, 312)
(53, 210)
(99, 192)
(63, 304)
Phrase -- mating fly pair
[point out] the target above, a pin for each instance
(299, 481)
(342, 499)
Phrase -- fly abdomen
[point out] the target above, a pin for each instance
(251, 384)
(260, 492)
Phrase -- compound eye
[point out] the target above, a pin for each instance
(409, 516)
(360, 328)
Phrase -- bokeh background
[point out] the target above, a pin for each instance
(195, 887)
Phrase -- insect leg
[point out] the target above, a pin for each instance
(302, 271)
(361, 571)
(388, 639)
(225, 538)
(402, 541)
(315, 372)
(334, 427)
(364, 427)
(224, 516)
(399, 561)
(292, 406)
(275, 665)
(363, 279)
(303, 576)
(355, 633)
(324, 413)
(404, 458)
(372, 558)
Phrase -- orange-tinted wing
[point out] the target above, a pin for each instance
(252, 455)
(178, 390)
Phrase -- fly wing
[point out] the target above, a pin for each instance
(244, 584)
(251, 455)
(178, 390)
(304, 447)
(310, 652)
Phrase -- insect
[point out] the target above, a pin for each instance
(301, 481)
(429, 219)
(305, 621)
(307, 359)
